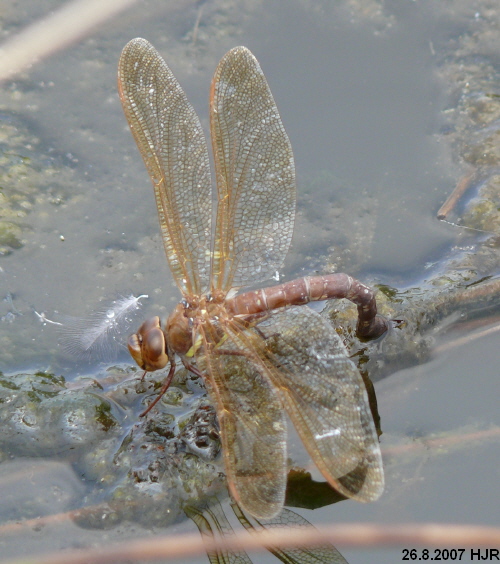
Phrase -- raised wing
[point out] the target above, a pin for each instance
(171, 141)
(255, 174)
(252, 423)
(325, 396)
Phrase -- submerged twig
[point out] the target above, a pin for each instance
(458, 192)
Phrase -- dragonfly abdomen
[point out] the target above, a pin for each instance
(315, 288)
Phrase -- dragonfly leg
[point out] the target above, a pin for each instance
(164, 388)
(262, 334)
(192, 368)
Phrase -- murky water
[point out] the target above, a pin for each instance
(365, 94)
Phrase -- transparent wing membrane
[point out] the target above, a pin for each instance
(255, 174)
(326, 399)
(171, 141)
(286, 519)
(252, 424)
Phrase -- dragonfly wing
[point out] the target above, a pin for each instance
(326, 398)
(252, 426)
(289, 520)
(171, 141)
(212, 523)
(255, 174)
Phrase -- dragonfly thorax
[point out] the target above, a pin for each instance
(178, 329)
(192, 316)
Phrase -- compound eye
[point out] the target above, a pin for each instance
(153, 350)
(148, 347)
(134, 348)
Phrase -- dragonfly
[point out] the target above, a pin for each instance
(260, 354)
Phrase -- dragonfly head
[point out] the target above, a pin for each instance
(148, 346)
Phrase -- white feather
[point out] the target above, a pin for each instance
(101, 335)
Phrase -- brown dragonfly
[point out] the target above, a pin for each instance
(258, 353)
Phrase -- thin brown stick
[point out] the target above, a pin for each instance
(350, 535)
(428, 444)
(457, 193)
(14, 527)
(466, 339)
(197, 26)
(58, 30)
